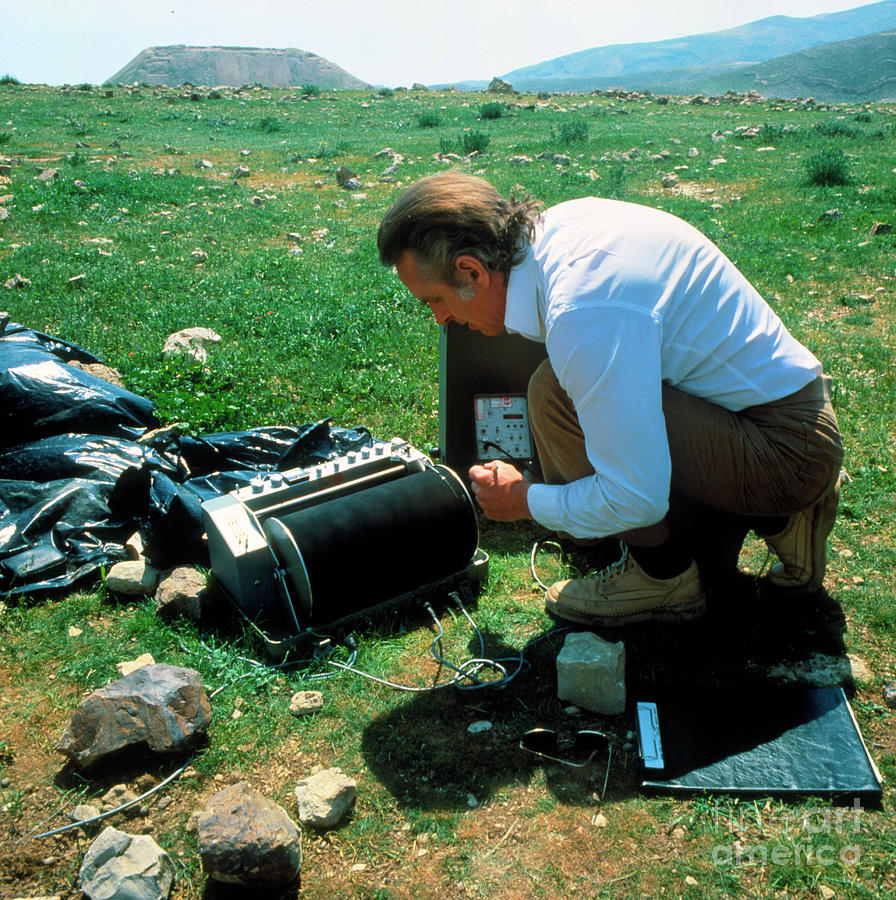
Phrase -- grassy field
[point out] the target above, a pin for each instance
(281, 262)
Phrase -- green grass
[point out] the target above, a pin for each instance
(313, 326)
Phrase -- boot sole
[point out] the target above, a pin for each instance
(687, 611)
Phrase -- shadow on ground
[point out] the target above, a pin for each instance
(424, 754)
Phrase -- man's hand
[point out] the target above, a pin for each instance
(500, 490)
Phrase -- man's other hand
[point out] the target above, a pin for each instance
(500, 490)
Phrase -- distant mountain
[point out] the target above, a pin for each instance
(863, 68)
(234, 66)
(756, 42)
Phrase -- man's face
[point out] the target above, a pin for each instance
(483, 312)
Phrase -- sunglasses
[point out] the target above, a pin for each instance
(584, 747)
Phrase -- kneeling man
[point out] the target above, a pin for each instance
(670, 385)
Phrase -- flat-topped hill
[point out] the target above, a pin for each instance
(235, 66)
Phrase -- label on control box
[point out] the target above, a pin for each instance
(502, 427)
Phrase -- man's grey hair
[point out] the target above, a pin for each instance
(451, 214)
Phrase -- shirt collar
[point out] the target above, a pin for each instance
(522, 314)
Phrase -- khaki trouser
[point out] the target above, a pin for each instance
(728, 468)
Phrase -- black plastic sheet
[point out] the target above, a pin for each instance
(82, 468)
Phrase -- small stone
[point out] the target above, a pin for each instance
(830, 215)
(191, 341)
(182, 592)
(304, 703)
(599, 820)
(134, 546)
(880, 228)
(117, 796)
(325, 798)
(133, 578)
(199, 255)
(479, 727)
(82, 812)
(347, 179)
(690, 881)
(861, 671)
(205, 164)
(825, 892)
(17, 281)
(241, 172)
(890, 694)
(591, 673)
(122, 865)
(131, 665)
(74, 631)
(718, 161)
(670, 180)
(257, 202)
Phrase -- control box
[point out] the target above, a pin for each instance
(502, 427)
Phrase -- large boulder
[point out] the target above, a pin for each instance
(160, 706)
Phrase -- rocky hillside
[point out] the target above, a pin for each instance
(634, 65)
(860, 69)
(234, 66)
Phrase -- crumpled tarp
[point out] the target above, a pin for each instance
(83, 466)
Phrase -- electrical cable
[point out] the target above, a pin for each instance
(467, 671)
(259, 668)
(536, 546)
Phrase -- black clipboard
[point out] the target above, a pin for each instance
(772, 742)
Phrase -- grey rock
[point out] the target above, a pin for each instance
(497, 86)
(133, 578)
(591, 673)
(347, 179)
(17, 281)
(47, 175)
(191, 341)
(890, 694)
(830, 215)
(817, 670)
(670, 180)
(880, 228)
(325, 798)
(246, 838)
(304, 703)
(126, 666)
(121, 866)
(120, 795)
(160, 706)
(241, 172)
(107, 373)
(82, 812)
(183, 593)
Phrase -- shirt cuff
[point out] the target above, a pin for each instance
(544, 504)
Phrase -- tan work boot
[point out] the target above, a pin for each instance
(800, 547)
(624, 593)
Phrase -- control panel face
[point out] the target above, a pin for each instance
(502, 427)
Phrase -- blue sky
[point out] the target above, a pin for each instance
(389, 42)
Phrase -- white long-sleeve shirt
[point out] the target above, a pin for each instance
(627, 298)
